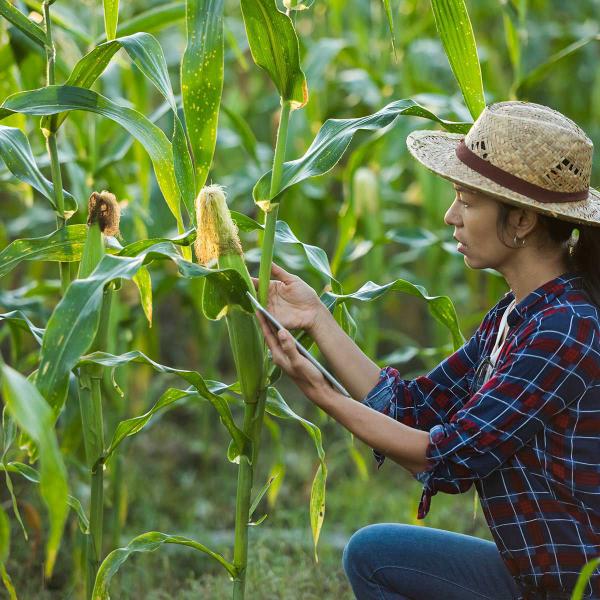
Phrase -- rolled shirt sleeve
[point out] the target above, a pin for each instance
(543, 369)
(425, 401)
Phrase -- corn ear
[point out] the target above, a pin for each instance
(217, 237)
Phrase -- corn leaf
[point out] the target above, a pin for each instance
(55, 99)
(153, 19)
(146, 53)
(132, 426)
(454, 26)
(20, 21)
(21, 320)
(298, 4)
(545, 68)
(32, 475)
(440, 307)
(246, 134)
(185, 239)
(74, 322)
(111, 17)
(16, 153)
(584, 577)
(278, 407)
(64, 245)
(274, 47)
(74, 29)
(144, 284)
(202, 80)
(4, 551)
(333, 139)
(33, 415)
(390, 20)
(147, 542)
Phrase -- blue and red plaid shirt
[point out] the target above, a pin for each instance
(528, 438)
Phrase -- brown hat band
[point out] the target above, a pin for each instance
(510, 181)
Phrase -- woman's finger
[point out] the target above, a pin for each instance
(271, 339)
(287, 344)
(281, 274)
(255, 281)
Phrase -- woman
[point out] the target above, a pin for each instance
(516, 410)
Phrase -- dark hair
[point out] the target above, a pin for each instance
(581, 254)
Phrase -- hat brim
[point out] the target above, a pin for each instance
(436, 150)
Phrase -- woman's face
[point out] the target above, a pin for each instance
(474, 216)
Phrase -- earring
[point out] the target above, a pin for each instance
(519, 242)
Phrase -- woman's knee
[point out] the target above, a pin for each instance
(369, 545)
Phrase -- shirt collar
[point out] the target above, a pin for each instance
(545, 294)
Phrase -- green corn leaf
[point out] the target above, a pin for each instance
(584, 577)
(20, 21)
(390, 20)
(64, 245)
(75, 30)
(111, 17)
(440, 307)
(21, 320)
(33, 415)
(55, 99)
(263, 490)
(332, 140)
(278, 407)
(274, 46)
(74, 322)
(4, 551)
(147, 542)
(9, 432)
(546, 67)
(146, 53)
(31, 474)
(185, 239)
(144, 284)
(298, 4)
(202, 80)
(246, 134)
(16, 153)
(153, 19)
(132, 426)
(454, 26)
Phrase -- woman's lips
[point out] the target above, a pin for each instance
(461, 248)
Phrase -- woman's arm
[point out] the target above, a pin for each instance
(403, 444)
(355, 370)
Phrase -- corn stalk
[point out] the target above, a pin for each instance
(103, 216)
(50, 135)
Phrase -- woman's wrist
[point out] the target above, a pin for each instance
(322, 319)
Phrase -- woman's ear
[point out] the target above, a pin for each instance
(522, 221)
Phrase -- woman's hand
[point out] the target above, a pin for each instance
(285, 355)
(292, 301)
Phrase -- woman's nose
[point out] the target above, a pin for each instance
(452, 216)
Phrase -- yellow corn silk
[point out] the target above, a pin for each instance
(217, 238)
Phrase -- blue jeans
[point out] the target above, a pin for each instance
(390, 561)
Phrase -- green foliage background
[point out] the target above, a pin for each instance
(175, 477)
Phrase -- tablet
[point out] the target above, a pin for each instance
(277, 325)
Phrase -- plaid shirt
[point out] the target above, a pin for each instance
(528, 438)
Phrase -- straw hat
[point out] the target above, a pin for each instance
(522, 153)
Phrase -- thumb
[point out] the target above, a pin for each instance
(281, 274)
